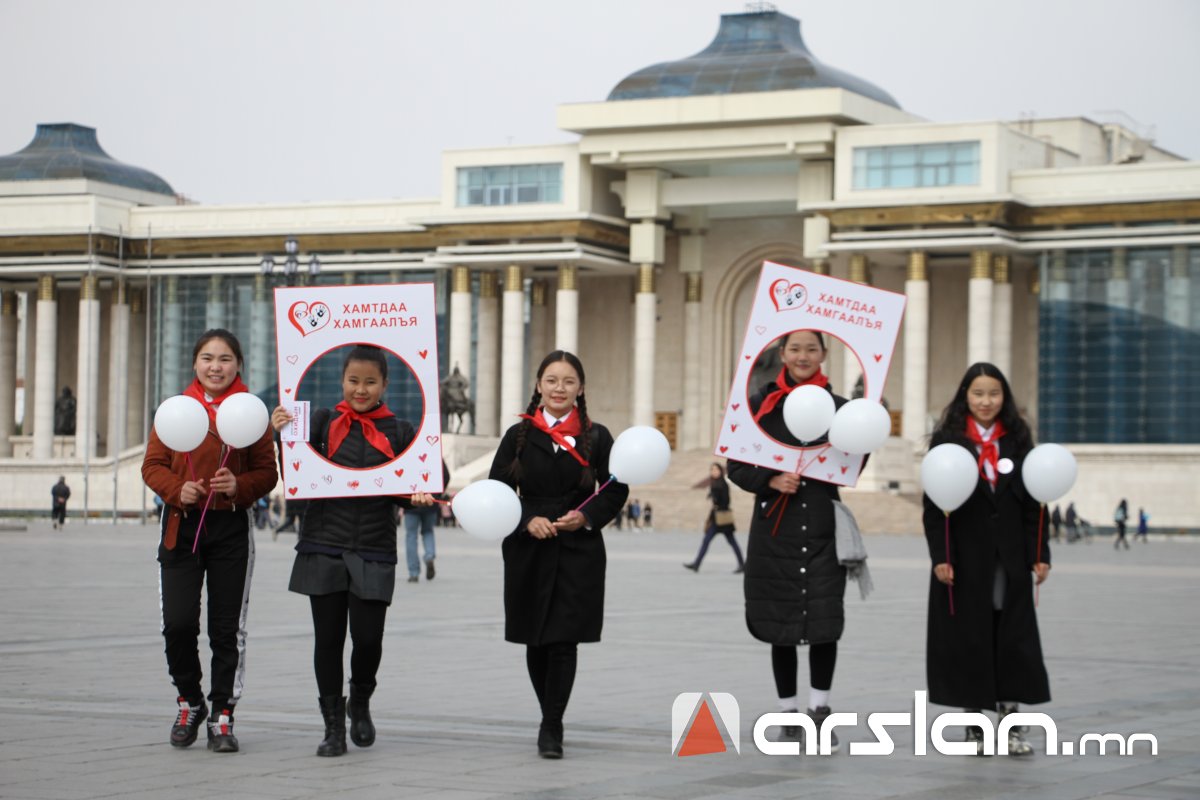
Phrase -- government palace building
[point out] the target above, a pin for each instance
(1065, 251)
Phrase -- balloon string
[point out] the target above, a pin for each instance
(595, 493)
(1037, 589)
(207, 500)
(187, 457)
(800, 467)
(436, 500)
(949, 587)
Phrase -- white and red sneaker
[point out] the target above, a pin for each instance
(187, 722)
(220, 732)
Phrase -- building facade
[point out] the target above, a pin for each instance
(1063, 250)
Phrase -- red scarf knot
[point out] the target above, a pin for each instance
(783, 381)
(989, 450)
(565, 427)
(196, 391)
(340, 428)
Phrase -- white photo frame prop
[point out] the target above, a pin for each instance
(399, 318)
(866, 319)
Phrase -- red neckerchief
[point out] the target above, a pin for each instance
(196, 391)
(340, 428)
(989, 451)
(782, 381)
(560, 432)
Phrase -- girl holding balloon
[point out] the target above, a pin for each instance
(208, 474)
(794, 582)
(346, 555)
(554, 561)
(981, 523)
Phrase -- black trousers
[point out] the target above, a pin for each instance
(552, 673)
(59, 514)
(822, 658)
(330, 613)
(709, 534)
(225, 559)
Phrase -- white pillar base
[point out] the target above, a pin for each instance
(645, 323)
(87, 378)
(487, 371)
(566, 321)
(8, 381)
(979, 320)
(513, 394)
(690, 429)
(119, 367)
(45, 369)
(1002, 322)
(916, 362)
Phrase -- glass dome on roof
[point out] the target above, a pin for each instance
(63, 151)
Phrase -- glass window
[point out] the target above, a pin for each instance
(914, 166)
(507, 185)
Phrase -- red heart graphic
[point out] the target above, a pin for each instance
(723, 448)
(292, 490)
(352, 484)
(423, 456)
(425, 477)
(291, 445)
(822, 458)
(431, 439)
(788, 296)
(778, 458)
(733, 427)
(844, 470)
(379, 481)
(287, 391)
(747, 357)
(736, 406)
(422, 353)
(878, 356)
(295, 465)
(308, 318)
(399, 472)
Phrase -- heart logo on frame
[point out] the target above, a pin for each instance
(308, 317)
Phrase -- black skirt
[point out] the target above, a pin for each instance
(318, 574)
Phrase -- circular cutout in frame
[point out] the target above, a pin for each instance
(311, 322)
(866, 320)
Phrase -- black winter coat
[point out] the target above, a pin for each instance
(355, 523)
(718, 492)
(794, 584)
(554, 588)
(978, 656)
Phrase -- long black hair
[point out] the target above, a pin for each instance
(954, 417)
(584, 445)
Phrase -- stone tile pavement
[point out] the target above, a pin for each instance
(85, 702)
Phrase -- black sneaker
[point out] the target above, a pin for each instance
(429, 570)
(220, 732)
(975, 734)
(187, 722)
(818, 716)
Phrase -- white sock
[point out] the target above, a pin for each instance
(818, 698)
(788, 703)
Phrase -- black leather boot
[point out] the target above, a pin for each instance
(550, 739)
(333, 709)
(362, 729)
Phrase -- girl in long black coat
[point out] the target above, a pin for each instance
(794, 584)
(554, 562)
(987, 654)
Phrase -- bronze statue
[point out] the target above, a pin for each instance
(64, 413)
(454, 399)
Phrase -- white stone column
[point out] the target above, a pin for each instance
(487, 370)
(691, 429)
(214, 309)
(8, 370)
(460, 321)
(1002, 314)
(45, 367)
(514, 393)
(851, 369)
(262, 337)
(916, 349)
(175, 357)
(979, 308)
(566, 311)
(1178, 310)
(119, 367)
(87, 369)
(644, 340)
(135, 405)
(539, 321)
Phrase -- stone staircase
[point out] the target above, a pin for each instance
(679, 500)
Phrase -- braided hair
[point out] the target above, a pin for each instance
(584, 445)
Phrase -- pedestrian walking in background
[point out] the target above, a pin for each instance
(719, 520)
(635, 514)
(1072, 522)
(648, 517)
(1056, 522)
(1120, 518)
(59, 494)
(1143, 528)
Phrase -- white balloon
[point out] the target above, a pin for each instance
(241, 419)
(181, 423)
(860, 426)
(949, 474)
(487, 509)
(1049, 472)
(808, 412)
(640, 454)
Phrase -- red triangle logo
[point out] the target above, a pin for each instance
(704, 737)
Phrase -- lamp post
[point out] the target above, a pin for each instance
(291, 262)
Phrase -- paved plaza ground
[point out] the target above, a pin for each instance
(86, 704)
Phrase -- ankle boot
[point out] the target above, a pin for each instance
(550, 739)
(362, 729)
(333, 710)
(1018, 745)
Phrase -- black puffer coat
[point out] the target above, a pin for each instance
(794, 584)
(355, 523)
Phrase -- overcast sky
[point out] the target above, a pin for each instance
(286, 101)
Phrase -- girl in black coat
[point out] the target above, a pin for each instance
(718, 492)
(346, 554)
(554, 561)
(987, 654)
(794, 583)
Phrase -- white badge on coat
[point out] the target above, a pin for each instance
(1004, 466)
(571, 441)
